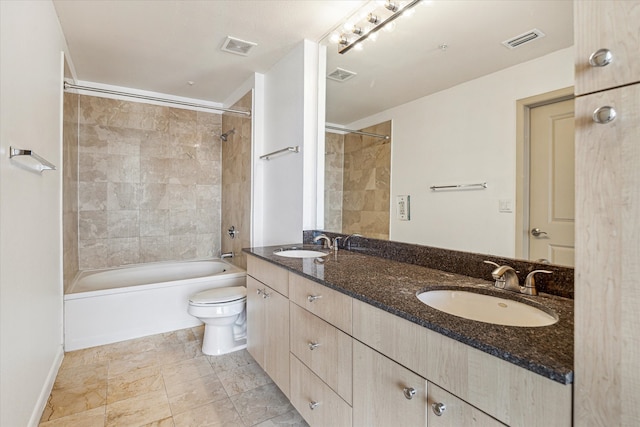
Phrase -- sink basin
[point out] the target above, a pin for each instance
(299, 253)
(486, 308)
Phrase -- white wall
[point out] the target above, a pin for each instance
(290, 119)
(465, 134)
(31, 74)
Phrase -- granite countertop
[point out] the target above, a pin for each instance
(392, 286)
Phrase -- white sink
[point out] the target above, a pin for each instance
(299, 253)
(486, 308)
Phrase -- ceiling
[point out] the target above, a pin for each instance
(160, 46)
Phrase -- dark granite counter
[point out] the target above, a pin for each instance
(392, 286)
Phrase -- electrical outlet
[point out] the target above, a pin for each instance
(402, 208)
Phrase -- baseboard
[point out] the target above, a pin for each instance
(46, 389)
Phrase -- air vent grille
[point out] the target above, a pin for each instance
(237, 46)
(524, 38)
(341, 75)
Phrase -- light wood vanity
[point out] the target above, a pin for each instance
(353, 364)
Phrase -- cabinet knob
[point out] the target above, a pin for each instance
(604, 115)
(409, 392)
(313, 405)
(438, 408)
(259, 291)
(601, 58)
(312, 298)
(313, 345)
(265, 294)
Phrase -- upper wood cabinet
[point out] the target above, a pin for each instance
(611, 25)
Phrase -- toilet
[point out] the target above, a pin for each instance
(225, 323)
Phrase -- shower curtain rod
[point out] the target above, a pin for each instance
(359, 132)
(68, 85)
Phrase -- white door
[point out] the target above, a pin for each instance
(551, 183)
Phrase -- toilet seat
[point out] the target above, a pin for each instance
(219, 296)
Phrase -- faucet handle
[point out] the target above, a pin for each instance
(530, 282)
(491, 263)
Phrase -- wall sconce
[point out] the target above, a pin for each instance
(352, 34)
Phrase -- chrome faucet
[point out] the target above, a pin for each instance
(507, 279)
(327, 241)
(346, 239)
(226, 255)
(529, 287)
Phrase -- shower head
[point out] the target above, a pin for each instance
(225, 136)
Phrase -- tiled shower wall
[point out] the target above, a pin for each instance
(70, 188)
(236, 182)
(365, 183)
(333, 172)
(149, 183)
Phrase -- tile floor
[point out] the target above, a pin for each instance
(164, 380)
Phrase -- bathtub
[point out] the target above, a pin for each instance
(107, 306)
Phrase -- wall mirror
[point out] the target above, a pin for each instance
(454, 84)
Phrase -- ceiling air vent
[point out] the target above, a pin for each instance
(237, 46)
(525, 38)
(341, 75)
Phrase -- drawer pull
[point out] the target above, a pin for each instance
(312, 298)
(409, 392)
(313, 345)
(259, 291)
(604, 115)
(439, 408)
(601, 58)
(265, 294)
(313, 405)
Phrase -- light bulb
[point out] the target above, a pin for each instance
(334, 38)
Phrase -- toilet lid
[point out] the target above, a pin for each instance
(219, 295)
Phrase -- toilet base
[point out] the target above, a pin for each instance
(221, 340)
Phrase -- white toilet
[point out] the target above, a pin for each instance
(225, 323)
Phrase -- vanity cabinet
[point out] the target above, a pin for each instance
(607, 297)
(610, 25)
(268, 321)
(446, 410)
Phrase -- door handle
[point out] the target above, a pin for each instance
(537, 232)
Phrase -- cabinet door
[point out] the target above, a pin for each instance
(276, 348)
(385, 393)
(446, 410)
(255, 320)
(607, 324)
(611, 25)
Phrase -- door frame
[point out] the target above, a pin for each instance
(523, 132)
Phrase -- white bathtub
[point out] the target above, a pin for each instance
(106, 306)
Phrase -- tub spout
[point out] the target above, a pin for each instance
(226, 255)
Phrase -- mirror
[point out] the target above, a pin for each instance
(449, 89)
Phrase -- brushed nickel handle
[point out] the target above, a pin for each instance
(313, 345)
(313, 405)
(259, 291)
(265, 294)
(601, 58)
(312, 298)
(439, 408)
(409, 392)
(604, 115)
(537, 232)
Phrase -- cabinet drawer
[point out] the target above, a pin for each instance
(454, 412)
(330, 305)
(316, 402)
(386, 393)
(325, 349)
(276, 277)
(397, 338)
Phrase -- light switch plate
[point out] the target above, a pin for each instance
(403, 211)
(505, 205)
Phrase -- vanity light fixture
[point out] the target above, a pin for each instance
(352, 34)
